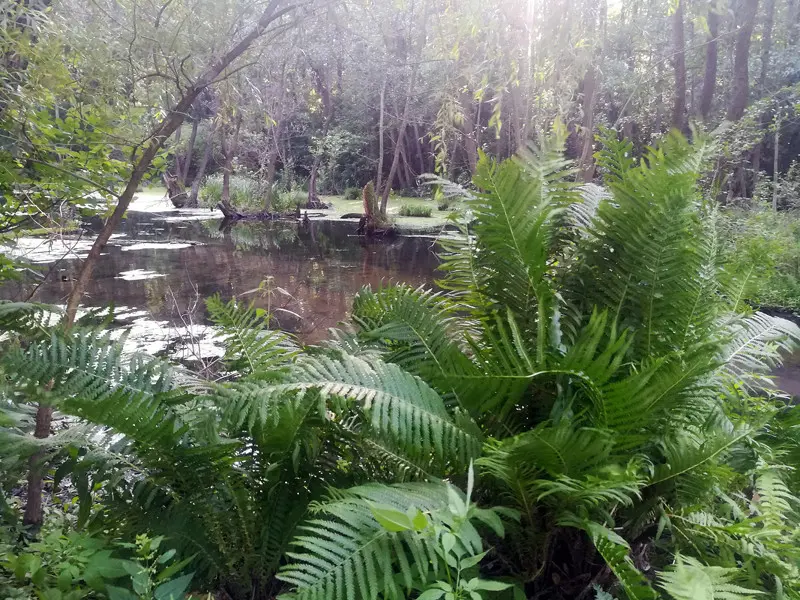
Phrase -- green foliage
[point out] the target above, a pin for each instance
(71, 566)
(601, 341)
(381, 541)
(352, 193)
(765, 248)
(410, 210)
(246, 192)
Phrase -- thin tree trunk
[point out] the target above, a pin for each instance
(381, 118)
(401, 133)
(740, 89)
(187, 161)
(589, 89)
(775, 164)
(712, 51)
(794, 22)
(229, 147)
(679, 50)
(272, 163)
(591, 82)
(178, 163)
(418, 146)
(468, 133)
(201, 169)
(766, 46)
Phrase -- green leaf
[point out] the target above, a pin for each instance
(118, 593)
(471, 561)
(174, 589)
(431, 594)
(491, 586)
(391, 519)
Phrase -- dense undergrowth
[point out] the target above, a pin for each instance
(583, 412)
(248, 193)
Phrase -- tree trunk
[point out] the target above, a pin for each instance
(591, 82)
(766, 46)
(324, 91)
(272, 164)
(401, 134)
(679, 61)
(34, 515)
(775, 164)
(794, 22)
(201, 169)
(740, 89)
(229, 148)
(381, 118)
(469, 133)
(589, 95)
(712, 50)
(418, 146)
(187, 160)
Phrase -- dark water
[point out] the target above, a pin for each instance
(160, 267)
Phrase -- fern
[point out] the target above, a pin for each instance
(348, 554)
(689, 579)
(251, 348)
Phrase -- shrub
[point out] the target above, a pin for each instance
(352, 193)
(443, 204)
(411, 210)
(247, 192)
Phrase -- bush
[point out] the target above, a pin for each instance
(286, 201)
(765, 246)
(443, 204)
(352, 193)
(410, 210)
(247, 192)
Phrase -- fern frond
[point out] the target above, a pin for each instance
(689, 579)
(27, 317)
(346, 553)
(251, 348)
(756, 345)
(395, 403)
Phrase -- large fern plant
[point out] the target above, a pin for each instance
(609, 358)
(225, 470)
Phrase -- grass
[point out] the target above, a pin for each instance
(410, 210)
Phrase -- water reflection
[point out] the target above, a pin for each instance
(166, 265)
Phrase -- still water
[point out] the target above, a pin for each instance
(160, 266)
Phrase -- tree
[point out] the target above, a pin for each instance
(679, 65)
(740, 89)
(274, 11)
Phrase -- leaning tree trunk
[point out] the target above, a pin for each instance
(712, 51)
(159, 135)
